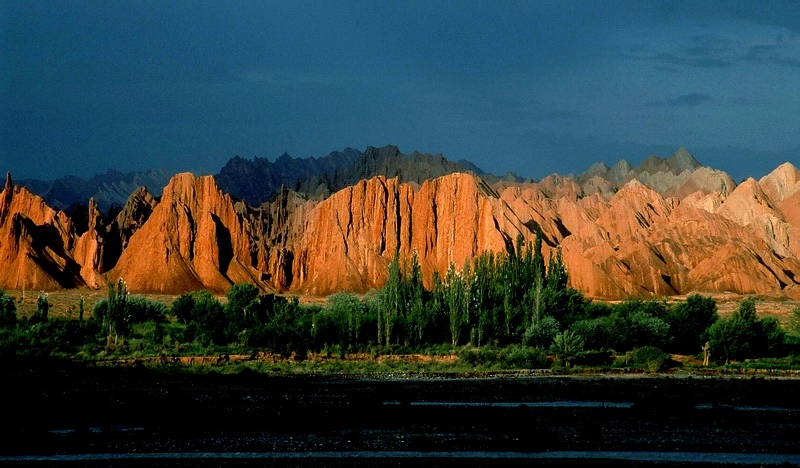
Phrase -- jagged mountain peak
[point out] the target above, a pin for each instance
(682, 160)
(257, 180)
(620, 170)
(386, 161)
(598, 168)
(108, 189)
(677, 175)
(679, 162)
(382, 152)
(781, 183)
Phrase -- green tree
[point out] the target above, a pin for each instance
(419, 315)
(557, 277)
(455, 294)
(481, 296)
(538, 258)
(42, 308)
(391, 300)
(734, 337)
(771, 337)
(8, 311)
(140, 310)
(567, 346)
(598, 333)
(509, 311)
(794, 321)
(243, 305)
(182, 308)
(437, 306)
(116, 320)
(196, 307)
(646, 330)
(689, 322)
(348, 314)
(567, 305)
(536, 295)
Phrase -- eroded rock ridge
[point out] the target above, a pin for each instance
(668, 227)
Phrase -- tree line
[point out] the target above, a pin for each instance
(493, 301)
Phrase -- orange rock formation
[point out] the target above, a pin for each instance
(658, 234)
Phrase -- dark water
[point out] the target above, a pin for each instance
(677, 457)
(101, 417)
(515, 404)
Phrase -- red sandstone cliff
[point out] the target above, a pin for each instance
(194, 239)
(699, 233)
(35, 243)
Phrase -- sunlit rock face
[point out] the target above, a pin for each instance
(36, 243)
(194, 239)
(679, 229)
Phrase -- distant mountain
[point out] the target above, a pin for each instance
(110, 189)
(389, 162)
(678, 175)
(256, 180)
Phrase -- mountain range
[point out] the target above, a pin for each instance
(669, 226)
(256, 180)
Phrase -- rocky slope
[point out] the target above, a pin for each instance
(648, 234)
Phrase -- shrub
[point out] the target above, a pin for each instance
(594, 358)
(53, 337)
(486, 356)
(597, 333)
(650, 358)
(567, 346)
(523, 357)
(648, 330)
(142, 310)
(541, 334)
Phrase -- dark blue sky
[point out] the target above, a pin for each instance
(531, 87)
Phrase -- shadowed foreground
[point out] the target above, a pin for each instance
(82, 416)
